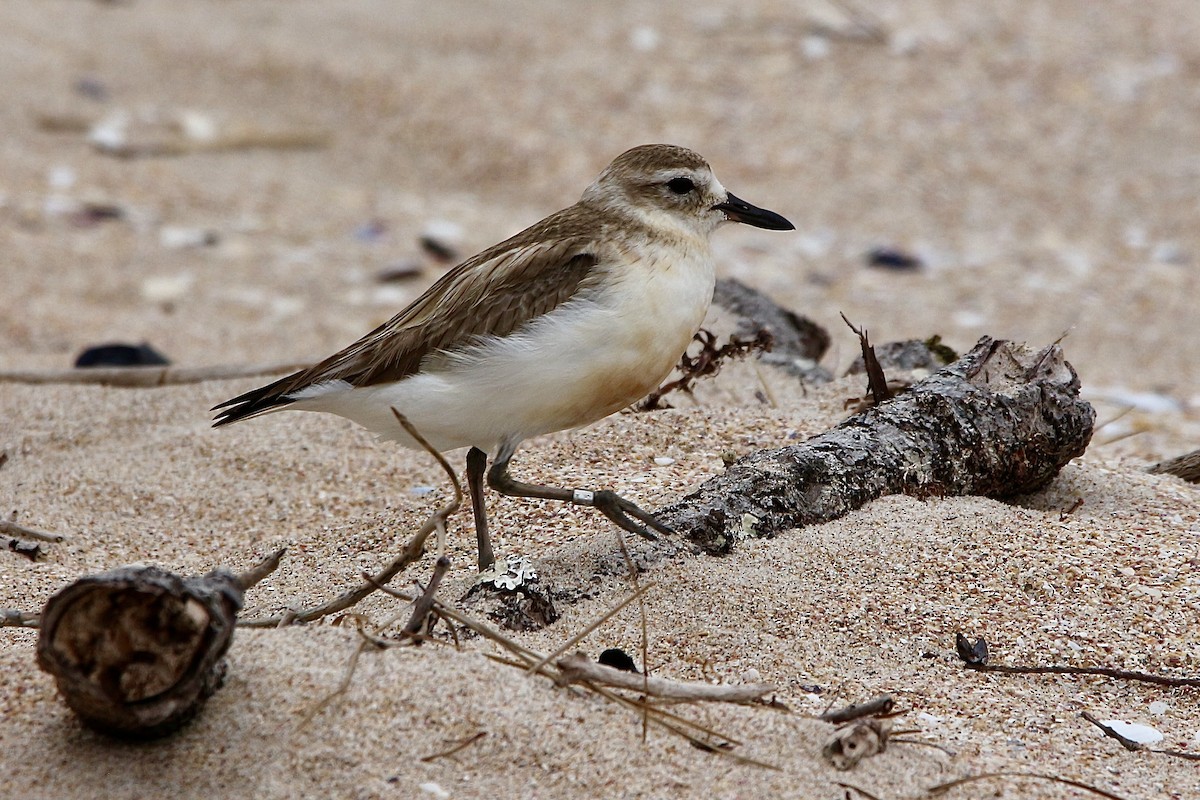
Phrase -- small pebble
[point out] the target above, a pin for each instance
(815, 47)
(371, 231)
(644, 39)
(61, 177)
(434, 789)
(663, 461)
(442, 240)
(175, 237)
(894, 259)
(91, 88)
(166, 288)
(403, 271)
(198, 126)
(1158, 708)
(617, 658)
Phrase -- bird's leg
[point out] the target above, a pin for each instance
(476, 464)
(612, 505)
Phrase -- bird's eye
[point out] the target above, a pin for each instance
(681, 185)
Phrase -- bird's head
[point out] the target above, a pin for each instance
(666, 186)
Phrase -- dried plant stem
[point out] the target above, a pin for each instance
(248, 579)
(876, 706)
(578, 668)
(942, 788)
(462, 744)
(525, 658)
(1107, 672)
(1130, 744)
(11, 528)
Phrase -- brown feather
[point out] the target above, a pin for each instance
(492, 294)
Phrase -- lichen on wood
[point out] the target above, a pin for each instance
(1001, 421)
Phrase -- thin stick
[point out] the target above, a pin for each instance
(874, 707)
(1107, 672)
(1130, 744)
(652, 714)
(424, 604)
(645, 642)
(461, 745)
(942, 788)
(142, 377)
(9, 527)
(247, 580)
(412, 550)
(577, 638)
(1109, 731)
(578, 668)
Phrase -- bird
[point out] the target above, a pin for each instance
(573, 319)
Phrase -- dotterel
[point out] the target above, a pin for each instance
(574, 318)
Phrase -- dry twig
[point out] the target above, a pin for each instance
(942, 788)
(459, 745)
(578, 668)
(875, 707)
(10, 527)
(978, 662)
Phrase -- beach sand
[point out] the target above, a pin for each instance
(1041, 158)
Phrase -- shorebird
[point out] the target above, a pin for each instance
(573, 319)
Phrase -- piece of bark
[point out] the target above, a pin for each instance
(136, 651)
(1001, 421)
(1186, 466)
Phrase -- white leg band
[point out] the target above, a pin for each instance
(582, 497)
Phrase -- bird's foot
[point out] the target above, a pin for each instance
(623, 513)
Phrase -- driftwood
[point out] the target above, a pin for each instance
(1001, 421)
(136, 651)
(1186, 466)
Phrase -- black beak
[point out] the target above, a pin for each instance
(739, 210)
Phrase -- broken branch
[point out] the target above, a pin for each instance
(986, 425)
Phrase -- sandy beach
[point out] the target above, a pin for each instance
(1040, 159)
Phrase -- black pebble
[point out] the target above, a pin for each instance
(121, 355)
(618, 659)
(890, 258)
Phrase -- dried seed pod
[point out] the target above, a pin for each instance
(137, 651)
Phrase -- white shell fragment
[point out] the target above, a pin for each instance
(1134, 731)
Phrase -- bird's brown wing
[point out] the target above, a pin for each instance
(492, 294)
